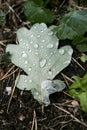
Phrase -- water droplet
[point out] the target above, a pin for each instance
(20, 40)
(24, 55)
(67, 62)
(36, 53)
(43, 26)
(29, 69)
(38, 36)
(33, 64)
(31, 42)
(43, 40)
(35, 27)
(29, 50)
(25, 80)
(26, 62)
(31, 35)
(37, 93)
(50, 72)
(30, 81)
(57, 72)
(24, 43)
(43, 63)
(50, 33)
(49, 63)
(70, 51)
(50, 46)
(61, 51)
(51, 53)
(41, 30)
(36, 46)
(42, 47)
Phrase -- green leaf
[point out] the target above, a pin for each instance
(74, 93)
(2, 18)
(79, 91)
(80, 43)
(72, 25)
(80, 83)
(83, 101)
(38, 56)
(83, 58)
(37, 13)
(5, 57)
(77, 83)
(84, 83)
(38, 2)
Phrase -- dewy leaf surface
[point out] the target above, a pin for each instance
(38, 56)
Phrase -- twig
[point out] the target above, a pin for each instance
(16, 81)
(66, 77)
(1, 43)
(78, 64)
(13, 12)
(7, 73)
(71, 115)
(11, 73)
(34, 122)
(62, 4)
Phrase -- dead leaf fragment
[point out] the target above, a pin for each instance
(1, 73)
(21, 117)
(75, 103)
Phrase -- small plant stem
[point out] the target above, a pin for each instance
(34, 122)
(66, 77)
(62, 4)
(13, 92)
(78, 64)
(71, 115)
(7, 75)
(10, 8)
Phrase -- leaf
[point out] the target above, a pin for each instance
(79, 91)
(74, 93)
(80, 43)
(38, 56)
(5, 57)
(35, 12)
(2, 18)
(83, 58)
(72, 25)
(38, 2)
(83, 101)
(80, 83)
(77, 84)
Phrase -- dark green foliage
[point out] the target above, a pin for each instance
(80, 43)
(83, 57)
(36, 12)
(2, 18)
(72, 25)
(5, 57)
